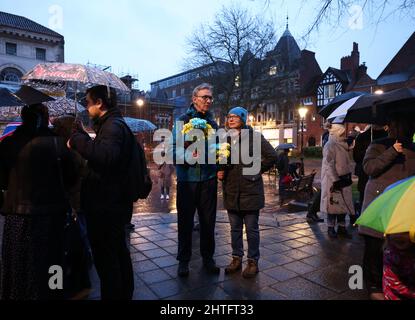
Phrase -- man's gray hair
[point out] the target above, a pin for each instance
(203, 86)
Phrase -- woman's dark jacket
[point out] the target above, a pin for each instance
(246, 192)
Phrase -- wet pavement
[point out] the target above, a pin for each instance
(298, 260)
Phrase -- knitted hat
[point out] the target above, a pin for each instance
(240, 112)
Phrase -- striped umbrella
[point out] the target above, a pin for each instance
(393, 211)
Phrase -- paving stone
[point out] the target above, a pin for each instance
(302, 289)
(154, 276)
(280, 273)
(293, 244)
(156, 253)
(279, 259)
(167, 261)
(146, 246)
(167, 288)
(299, 267)
(335, 278)
(144, 266)
(136, 257)
(297, 254)
(278, 248)
(165, 243)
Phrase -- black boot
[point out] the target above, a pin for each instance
(183, 270)
(341, 231)
(332, 233)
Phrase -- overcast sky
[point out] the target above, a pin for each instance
(147, 38)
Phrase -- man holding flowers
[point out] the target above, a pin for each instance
(196, 182)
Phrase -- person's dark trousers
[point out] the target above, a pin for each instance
(373, 264)
(106, 232)
(339, 218)
(237, 219)
(200, 196)
(282, 190)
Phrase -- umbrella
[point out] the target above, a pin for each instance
(286, 146)
(9, 99)
(74, 73)
(337, 101)
(30, 95)
(62, 106)
(377, 108)
(24, 96)
(341, 111)
(393, 211)
(10, 128)
(139, 125)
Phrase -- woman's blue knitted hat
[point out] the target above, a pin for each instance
(240, 112)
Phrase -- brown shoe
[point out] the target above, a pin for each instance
(251, 269)
(234, 266)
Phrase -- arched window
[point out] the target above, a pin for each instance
(11, 75)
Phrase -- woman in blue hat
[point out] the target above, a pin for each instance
(244, 194)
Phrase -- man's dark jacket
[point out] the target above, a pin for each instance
(108, 156)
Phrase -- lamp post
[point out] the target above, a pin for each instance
(303, 113)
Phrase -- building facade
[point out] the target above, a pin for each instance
(23, 44)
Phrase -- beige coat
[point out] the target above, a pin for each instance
(336, 162)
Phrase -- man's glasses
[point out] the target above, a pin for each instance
(206, 98)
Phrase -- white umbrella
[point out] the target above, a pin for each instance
(342, 110)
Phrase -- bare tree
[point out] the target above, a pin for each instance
(332, 11)
(234, 45)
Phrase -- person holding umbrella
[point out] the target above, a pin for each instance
(104, 197)
(387, 161)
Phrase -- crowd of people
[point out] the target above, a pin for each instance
(65, 196)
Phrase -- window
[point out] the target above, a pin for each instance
(330, 91)
(11, 75)
(173, 94)
(183, 91)
(273, 71)
(11, 49)
(40, 54)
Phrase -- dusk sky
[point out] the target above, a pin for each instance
(148, 38)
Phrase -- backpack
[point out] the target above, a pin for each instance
(140, 183)
(138, 178)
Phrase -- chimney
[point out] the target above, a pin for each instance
(362, 70)
(351, 63)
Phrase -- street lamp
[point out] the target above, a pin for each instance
(303, 113)
(140, 104)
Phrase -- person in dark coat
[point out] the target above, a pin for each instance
(77, 247)
(244, 194)
(196, 189)
(36, 169)
(387, 161)
(362, 142)
(104, 200)
(283, 166)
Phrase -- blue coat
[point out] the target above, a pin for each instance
(198, 172)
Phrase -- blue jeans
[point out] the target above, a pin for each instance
(237, 220)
